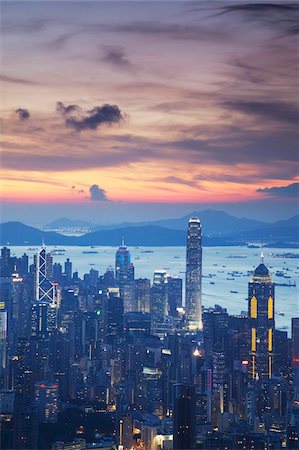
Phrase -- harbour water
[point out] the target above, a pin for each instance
(225, 272)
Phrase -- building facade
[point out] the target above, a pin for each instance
(261, 313)
(193, 302)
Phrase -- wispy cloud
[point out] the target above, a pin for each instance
(16, 80)
(116, 56)
(282, 18)
(268, 110)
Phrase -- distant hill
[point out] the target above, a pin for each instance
(16, 233)
(293, 222)
(271, 234)
(214, 223)
(148, 235)
(63, 222)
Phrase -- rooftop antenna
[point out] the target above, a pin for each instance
(43, 238)
(262, 255)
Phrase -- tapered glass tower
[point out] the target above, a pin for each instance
(124, 276)
(193, 302)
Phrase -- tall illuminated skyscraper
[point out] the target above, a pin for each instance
(159, 295)
(261, 322)
(193, 302)
(124, 276)
(43, 287)
(46, 294)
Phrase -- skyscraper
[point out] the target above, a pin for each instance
(175, 286)
(193, 301)
(124, 276)
(183, 417)
(46, 294)
(295, 354)
(143, 295)
(44, 289)
(68, 269)
(159, 295)
(261, 322)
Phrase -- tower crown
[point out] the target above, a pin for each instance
(261, 270)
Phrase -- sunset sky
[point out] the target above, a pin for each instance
(139, 110)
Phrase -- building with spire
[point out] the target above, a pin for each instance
(124, 276)
(261, 322)
(46, 294)
(193, 301)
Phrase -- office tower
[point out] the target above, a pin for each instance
(295, 354)
(57, 272)
(68, 269)
(184, 417)
(39, 319)
(46, 397)
(108, 277)
(175, 294)
(261, 322)
(137, 323)
(22, 265)
(193, 302)
(143, 294)
(6, 263)
(43, 288)
(3, 342)
(159, 296)
(113, 316)
(124, 276)
(46, 295)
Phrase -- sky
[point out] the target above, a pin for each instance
(114, 111)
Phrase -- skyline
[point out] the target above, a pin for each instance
(172, 105)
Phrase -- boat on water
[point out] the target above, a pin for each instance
(147, 251)
(289, 284)
(280, 313)
(234, 292)
(88, 252)
(212, 282)
(58, 251)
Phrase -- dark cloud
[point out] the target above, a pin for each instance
(283, 18)
(97, 193)
(66, 110)
(292, 191)
(78, 120)
(15, 80)
(269, 110)
(116, 55)
(22, 113)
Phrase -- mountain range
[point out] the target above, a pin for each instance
(219, 228)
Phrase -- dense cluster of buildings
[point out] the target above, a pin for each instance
(111, 361)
